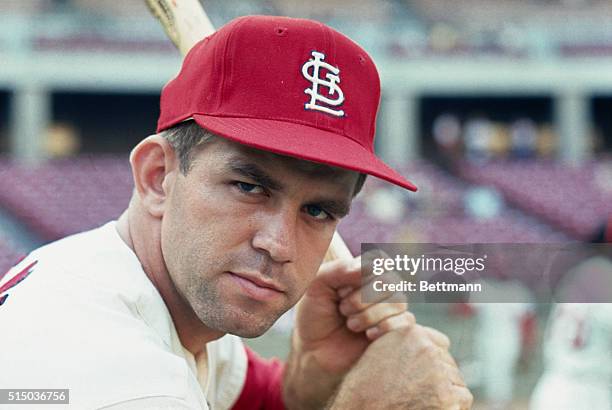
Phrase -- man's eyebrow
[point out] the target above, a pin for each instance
(339, 209)
(255, 173)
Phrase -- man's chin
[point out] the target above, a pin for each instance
(247, 330)
(242, 323)
(250, 334)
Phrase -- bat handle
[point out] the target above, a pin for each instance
(337, 249)
(184, 21)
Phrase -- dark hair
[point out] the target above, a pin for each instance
(359, 184)
(187, 138)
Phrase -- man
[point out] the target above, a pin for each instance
(497, 341)
(577, 352)
(264, 137)
(578, 341)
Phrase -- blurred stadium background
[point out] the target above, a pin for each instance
(499, 111)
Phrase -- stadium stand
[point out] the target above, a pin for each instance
(400, 29)
(61, 197)
(437, 214)
(571, 198)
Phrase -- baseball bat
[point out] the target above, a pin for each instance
(185, 22)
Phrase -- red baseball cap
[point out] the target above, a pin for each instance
(291, 86)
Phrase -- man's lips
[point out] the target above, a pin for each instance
(256, 286)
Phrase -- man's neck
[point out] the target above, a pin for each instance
(191, 331)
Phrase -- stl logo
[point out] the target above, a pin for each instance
(330, 81)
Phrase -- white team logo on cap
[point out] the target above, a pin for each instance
(330, 81)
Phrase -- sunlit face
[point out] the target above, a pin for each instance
(244, 233)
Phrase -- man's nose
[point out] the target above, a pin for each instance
(277, 236)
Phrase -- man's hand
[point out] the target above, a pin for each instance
(333, 329)
(408, 368)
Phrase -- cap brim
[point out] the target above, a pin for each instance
(303, 142)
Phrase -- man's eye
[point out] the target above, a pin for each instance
(250, 188)
(317, 212)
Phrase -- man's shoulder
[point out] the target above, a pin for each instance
(106, 373)
(101, 350)
(93, 265)
(101, 292)
(85, 251)
(82, 320)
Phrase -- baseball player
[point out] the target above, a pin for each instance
(264, 138)
(578, 343)
(497, 340)
(578, 359)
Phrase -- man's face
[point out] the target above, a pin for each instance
(244, 232)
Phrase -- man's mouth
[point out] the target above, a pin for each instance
(255, 285)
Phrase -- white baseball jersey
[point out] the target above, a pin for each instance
(578, 357)
(497, 342)
(88, 319)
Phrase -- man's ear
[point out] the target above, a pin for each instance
(154, 165)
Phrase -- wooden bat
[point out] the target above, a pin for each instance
(186, 23)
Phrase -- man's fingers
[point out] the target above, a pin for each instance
(462, 398)
(454, 375)
(347, 272)
(448, 358)
(353, 297)
(341, 273)
(424, 370)
(437, 337)
(371, 316)
(353, 302)
(345, 276)
(404, 319)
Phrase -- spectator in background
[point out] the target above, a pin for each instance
(443, 38)
(446, 130)
(62, 141)
(547, 141)
(523, 136)
(385, 206)
(499, 145)
(482, 203)
(477, 136)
